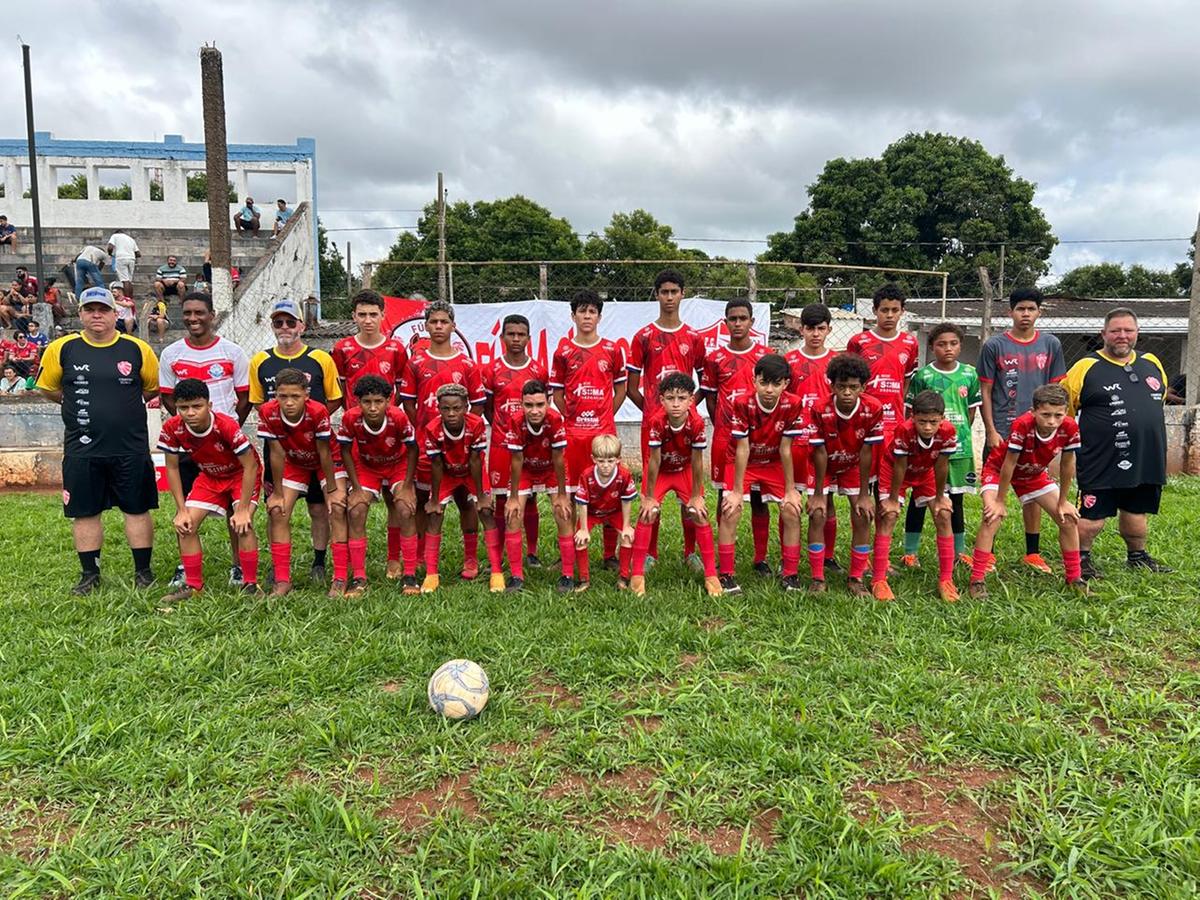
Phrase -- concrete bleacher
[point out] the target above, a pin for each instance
(62, 245)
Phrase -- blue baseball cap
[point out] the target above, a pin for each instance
(286, 306)
(97, 295)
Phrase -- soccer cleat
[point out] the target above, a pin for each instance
(611, 564)
(977, 590)
(250, 589)
(1145, 561)
(410, 586)
(712, 586)
(695, 563)
(395, 569)
(88, 582)
(857, 587)
(532, 561)
(1079, 586)
(281, 589)
(637, 584)
(317, 574)
(336, 589)
(566, 584)
(496, 583)
(882, 591)
(651, 562)
(910, 561)
(582, 586)
(832, 564)
(791, 583)
(965, 559)
(431, 583)
(1087, 568)
(143, 578)
(470, 570)
(187, 592)
(948, 591)
(515, 586)
(763, 568)
(235, 576)
(178, 579)
(729, 585)
(355, 587)
(1036, 562)
(622, 584)
(816, 586)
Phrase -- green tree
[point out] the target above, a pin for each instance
(1113, 280)
(930, 201)
(633, 235)
(197, 188)
(75, 189)
(333, 276)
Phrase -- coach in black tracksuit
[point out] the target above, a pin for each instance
(1117, 396)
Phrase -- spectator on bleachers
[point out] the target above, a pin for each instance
(282, 214)
(157, 322)
(126, 309)
(12, 383)
(53, 297)
(12, 305)
(22, 354)
(248, 218)
(29, 284)
(125, 253)
(8, 234)
(34, 332)
(170, 279)
(88, 264)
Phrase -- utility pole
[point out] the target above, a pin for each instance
(216, 168)
(441, 214)
(1192, 365)
(985, 320)
(1001, 289)
(349, 274)
(33, 178)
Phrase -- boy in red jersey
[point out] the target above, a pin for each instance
(664, 346)
(371, 352)
(728, 377)
(455, 441)
(502, 384)
(917, 457)
(536, 440)
(845, 430)
(297, 431)
(677, 440)
(428, 369)
(764, 427)
(228, 483)
(1036, 438)
(808, 363)
(588, 377)
(605, 497)
(380, 458)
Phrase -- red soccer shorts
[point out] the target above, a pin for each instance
(537, 482)
(846, 482)
(375, 480)
(499, 466)
(451, 483)
(720, 455)
(924, 489)
(298, 477)
(578, 456)
(679, 482)
(218, 495)
(800, 463)
(766, 480)
(1026, 489)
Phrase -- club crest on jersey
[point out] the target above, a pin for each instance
(1041, 359)
(1089, 500)
(66, 497)
(962, 391)
(385, 367)
(457, 376)
(904, 358)
(389, 442)
(1153, 383)
(215, 370)
(603, 365)
(125, 367)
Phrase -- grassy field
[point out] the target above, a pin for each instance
(763, 745)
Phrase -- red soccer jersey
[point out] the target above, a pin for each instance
(588, 377)
(656, 353)
(766, 427)
(379, 449)
(504, 384)
(426, 373)
(388, 360)
(455, 449)
(844, 435)
(27, 352)
(536, 447)
(730, 375)
(676, 445)
(1036, 451)
(892, 362)
(808, 377)
(604, 500)
(922, 456)
(215, 451)
(298, 439)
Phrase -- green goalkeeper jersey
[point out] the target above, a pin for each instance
(960, 389)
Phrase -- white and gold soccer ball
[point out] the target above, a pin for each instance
(459, 689)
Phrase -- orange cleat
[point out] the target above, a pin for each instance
(882, 591)
(637, 584)
(1035, 561)
(965, 559)
(910, 561)
(712, 586)
(948, 591)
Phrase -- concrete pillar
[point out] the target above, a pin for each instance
(302, 184)
(242, 183)
(92, 171)
(12, 182)
(139, 182)
(174, 183)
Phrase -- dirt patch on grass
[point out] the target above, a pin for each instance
(650, 832)
(1099, 725)
(690, 660)
(952, 823)
(35, 830)
(648, 724)
(300, 776)
(416, 810)
(713, 623)
(506, 748)
(369, 775)
(390, 687)
(546, 688)
(726, 840)
(1182, 662)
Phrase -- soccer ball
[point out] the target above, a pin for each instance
(459, 689)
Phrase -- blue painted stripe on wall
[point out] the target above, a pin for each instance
(171, 147)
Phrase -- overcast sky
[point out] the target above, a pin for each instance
(714, 116)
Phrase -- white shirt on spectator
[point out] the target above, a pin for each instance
(95, 255)
(124, 247)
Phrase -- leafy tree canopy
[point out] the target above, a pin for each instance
(1115, 280)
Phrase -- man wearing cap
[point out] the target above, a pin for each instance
(248, 218)
(290, 352)
(282, 214)
(102, 379)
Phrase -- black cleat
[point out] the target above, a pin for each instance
(1088, 570)
(611, 564)
(409, 585)
(763, 568)
(532, 562)
(250, 589)
(88, 582)
(236, 578)
(832, 564)
(515, 586)
(792, 583)
(1144, 560)
(566, 584)
(143, 578)
(317, 574)
(177, 580)
(729, 585)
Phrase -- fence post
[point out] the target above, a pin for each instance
(985, 322)
(752, 281)
(1191, 368)
(543, 282)
(368, 269)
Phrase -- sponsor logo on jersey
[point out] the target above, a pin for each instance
(1124, 465)
(84, 368)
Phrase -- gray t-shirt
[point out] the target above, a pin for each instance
(1012, 370)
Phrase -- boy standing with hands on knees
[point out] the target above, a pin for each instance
(605, 497)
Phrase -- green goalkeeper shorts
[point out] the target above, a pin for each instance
(961, 478)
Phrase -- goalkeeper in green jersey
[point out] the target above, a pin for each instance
(958, 384)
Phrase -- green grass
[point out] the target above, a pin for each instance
(253, 748)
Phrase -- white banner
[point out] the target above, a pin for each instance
(478, 328)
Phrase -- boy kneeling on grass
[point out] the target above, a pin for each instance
(604, 496)
(676, 439)
(917, 458)
(379, 454)
(1036, 438)
(297, 431)
(536, 439)
(228, 483)
(455, 441)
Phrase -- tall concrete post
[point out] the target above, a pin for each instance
(216, 165)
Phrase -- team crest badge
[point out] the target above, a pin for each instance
(904, 359)
(66, 497)
(385, 367)
(1041, 359)
(458, 377)
(1089, 500)
(1153, 383)
(125, 367)
(962, 391)
(603, 364)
